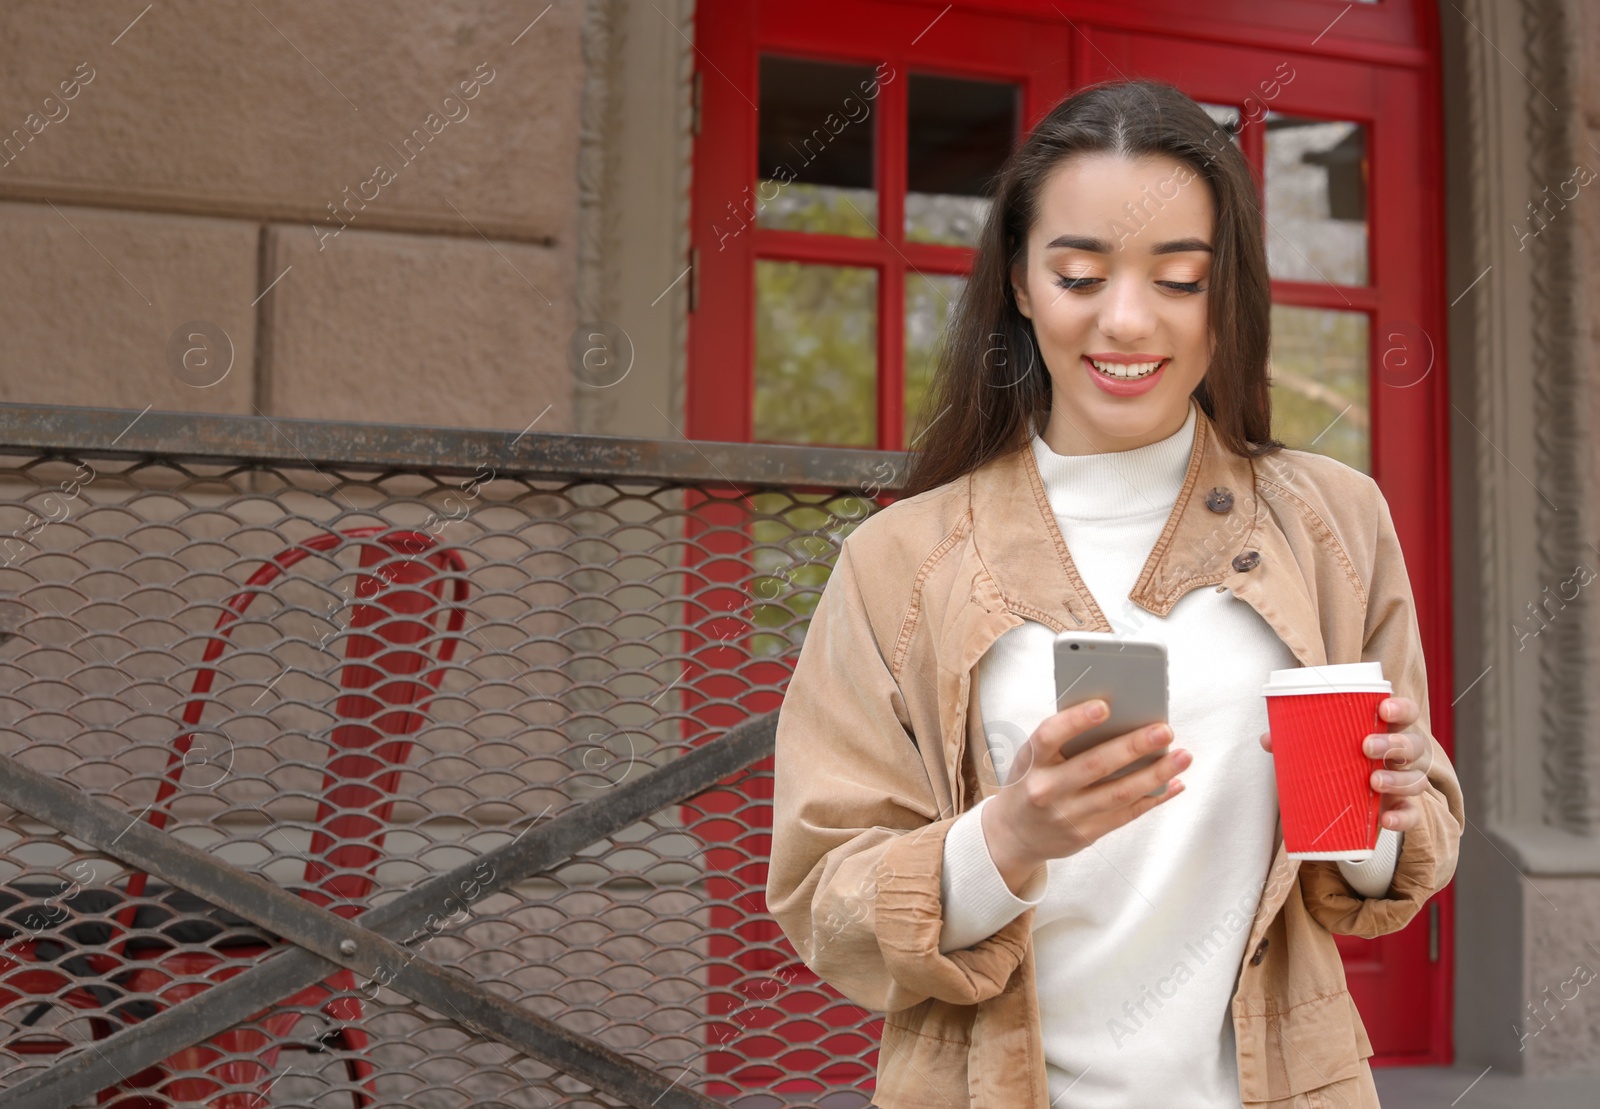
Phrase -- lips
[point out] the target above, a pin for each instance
(1125, 379)
(1127, 371)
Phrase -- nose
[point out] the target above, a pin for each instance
(1126, 314)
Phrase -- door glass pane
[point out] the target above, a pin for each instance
(929, 299)
(1316, 172)
(816, 354)
(1319, 383)
(958, 133)
(814, 167)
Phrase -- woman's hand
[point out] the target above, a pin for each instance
(1049, 806)
(1405, 755)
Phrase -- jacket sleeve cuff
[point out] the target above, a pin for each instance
(1424, 865)
(976, 900)
(909, 918)
(1371, 877)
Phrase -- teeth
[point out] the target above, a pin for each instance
(1129, 371)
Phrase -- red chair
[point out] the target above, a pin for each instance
(385, 683)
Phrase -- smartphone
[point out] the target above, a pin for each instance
(1130, 675)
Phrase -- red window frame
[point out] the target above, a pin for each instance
(722, 335)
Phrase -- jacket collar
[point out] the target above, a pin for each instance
(1241, 547)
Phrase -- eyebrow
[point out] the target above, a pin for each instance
(1101, 246)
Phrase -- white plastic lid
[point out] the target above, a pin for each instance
(1344, 677)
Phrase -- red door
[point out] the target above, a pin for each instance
(1348, 157)
(832, 227)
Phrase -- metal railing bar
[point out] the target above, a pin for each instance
(335, 939)
(564, 836)
(326, 940)
(295, 442)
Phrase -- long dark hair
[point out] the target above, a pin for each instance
(990, 379)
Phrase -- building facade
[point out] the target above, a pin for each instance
(583, 219)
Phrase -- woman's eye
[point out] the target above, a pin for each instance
(1089, 282)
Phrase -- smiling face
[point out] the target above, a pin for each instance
(1117, 270)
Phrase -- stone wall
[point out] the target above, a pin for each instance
(1522, 146)
(362, 212)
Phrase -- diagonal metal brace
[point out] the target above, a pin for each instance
(326, 941)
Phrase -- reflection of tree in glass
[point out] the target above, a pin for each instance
(930, 298)
(797, 537)
(819, 209)
(1319, 370)
(816, 354)
(940, 218)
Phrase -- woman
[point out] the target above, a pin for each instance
(1100, 459)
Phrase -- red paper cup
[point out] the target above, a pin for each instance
(1318, 716)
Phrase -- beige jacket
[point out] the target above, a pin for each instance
(875, 760)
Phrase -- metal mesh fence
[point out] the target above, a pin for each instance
(347, 679)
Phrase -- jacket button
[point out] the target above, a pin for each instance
(1261, 949)
(1220, 500)
(1247, 561)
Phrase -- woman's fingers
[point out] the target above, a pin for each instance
(1091, 811)
(1396, 749)
(1134, 800)
(1041, 750)
(1400, 711)
(1406, 783)
(1128, 791)
(1088, 767)
(1266, 741)
(1399, 750)
(1047, 808)
(1400, 813)
(1145, 804)
(1057, 729)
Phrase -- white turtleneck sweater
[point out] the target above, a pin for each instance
(1138, 938)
